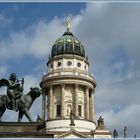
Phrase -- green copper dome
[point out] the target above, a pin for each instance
(68, 44)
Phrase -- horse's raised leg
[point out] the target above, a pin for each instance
(2, 110)
(20, 115)
(27, 114)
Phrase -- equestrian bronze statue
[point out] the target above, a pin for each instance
(15, 100)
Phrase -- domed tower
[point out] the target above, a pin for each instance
(68, 87)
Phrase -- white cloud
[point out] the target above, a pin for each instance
(45, 35)
(126, 117)
(104, 26)
(30, 81)
(101, 27)
(36, 40)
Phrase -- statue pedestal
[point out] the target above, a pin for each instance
(72, 124)
(22, 129)
(102, 133)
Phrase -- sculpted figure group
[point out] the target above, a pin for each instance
(15, 90)
(14, 98)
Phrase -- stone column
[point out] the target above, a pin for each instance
(90, 106)
(76, 101)
(50, 103)
(63, 101)
(87, 103)
(43, 105)
(92, 114)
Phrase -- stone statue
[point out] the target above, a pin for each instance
(115, 134)
(23, 106)
(125, 132)
(68, 23)
(14, 90)
(15, 100)
(72, 117)
(101, 124)
(100, 121)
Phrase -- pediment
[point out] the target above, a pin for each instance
(72, 134)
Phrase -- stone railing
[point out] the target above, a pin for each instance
(69, 72)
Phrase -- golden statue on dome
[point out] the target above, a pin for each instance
(68, 23)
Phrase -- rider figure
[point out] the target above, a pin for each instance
(15, 90)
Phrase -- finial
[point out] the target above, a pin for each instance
(68, 23)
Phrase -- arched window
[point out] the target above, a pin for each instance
(54, 50)
(77, 47)
(58, 110)
(60, 47)
(79, 110)
(69, 47)
(68, 109)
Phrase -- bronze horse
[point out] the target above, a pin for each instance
(24, 104)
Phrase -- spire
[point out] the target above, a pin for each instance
(68, 23)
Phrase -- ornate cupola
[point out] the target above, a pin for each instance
(68, 44)
(68, 87)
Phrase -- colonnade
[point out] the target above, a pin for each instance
(89, 113)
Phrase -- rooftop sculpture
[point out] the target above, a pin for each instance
(101, 124)
(68, 23)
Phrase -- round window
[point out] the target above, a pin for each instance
(85, 67)
(69, 63)
(59, 64)
(79, 64)
(51, 66)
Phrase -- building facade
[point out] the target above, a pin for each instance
(69, 88)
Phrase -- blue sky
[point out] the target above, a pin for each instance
(110, 33)
(18, 16)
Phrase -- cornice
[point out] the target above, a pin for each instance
(67, 56)
(53, 79)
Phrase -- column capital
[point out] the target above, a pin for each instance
(63, 85)
(76, 85)
(87, 87)
(93, 90)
